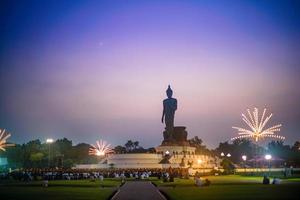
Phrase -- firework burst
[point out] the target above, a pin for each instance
(257, 125)
(3, 137)
(101, 149)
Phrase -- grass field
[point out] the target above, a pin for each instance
(230, 187)
(60, 190)
(233, 187)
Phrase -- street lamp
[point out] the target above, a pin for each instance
(268, 157)
(49, 141)
(244, 157)
(223, 154)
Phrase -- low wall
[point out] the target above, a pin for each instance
(241, 170)
(91, 166)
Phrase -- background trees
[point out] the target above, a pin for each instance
(238, 148)
(200, 148)
(64, 154)
(132, 147)
(36, 154)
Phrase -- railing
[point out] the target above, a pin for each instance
(265, 169)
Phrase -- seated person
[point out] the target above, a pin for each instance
(198, 181)
(206, 182)
(171, 178)
(266, 180)
(45, 183)
(276, 181)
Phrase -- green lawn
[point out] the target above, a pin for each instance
(64, 190)
(234, 192)
(230, 187)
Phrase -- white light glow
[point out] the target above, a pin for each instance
(268, 157)
(49, 141)
(244, 157)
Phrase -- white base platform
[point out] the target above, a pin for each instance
(153, 160)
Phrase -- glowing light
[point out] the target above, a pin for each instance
(244, 157)
(3, 138)
(268, 157)
(257, 125)
(199, 161)
(49, 141)
(101, 149)
(228, 155)
(222, 154)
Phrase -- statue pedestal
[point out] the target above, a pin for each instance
(175, 142)
(178, 137)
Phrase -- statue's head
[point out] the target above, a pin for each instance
(169, 92)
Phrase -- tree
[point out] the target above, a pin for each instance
(151, 150)
(32, 147)
(282, 151)
(198, 143)
(296, 146)
(132, 147)
(63, 146)
(227, 166)
(135, 144)
(68, 163)
(237, 149)
(80, 154)
(15, 156)
(129, 145)
(119, 149)
(36, 159)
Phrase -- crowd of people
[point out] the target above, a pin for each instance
(166, 175)
(79, 174)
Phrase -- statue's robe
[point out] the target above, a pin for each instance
(170, 106)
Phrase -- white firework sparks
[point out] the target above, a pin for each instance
(101, 149)
(3, 138)
(257, 127)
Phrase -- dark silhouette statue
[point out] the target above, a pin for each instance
(170, 106)
(173, 135)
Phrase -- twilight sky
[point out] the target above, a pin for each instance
(90, 70)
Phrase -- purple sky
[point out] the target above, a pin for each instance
(90, 70)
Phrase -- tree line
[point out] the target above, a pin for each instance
(62, 152)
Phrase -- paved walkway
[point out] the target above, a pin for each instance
(138, 190)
